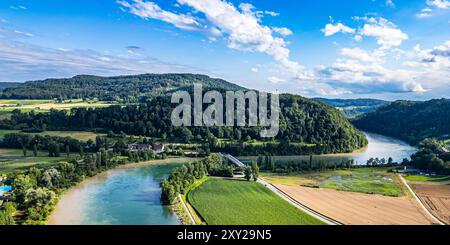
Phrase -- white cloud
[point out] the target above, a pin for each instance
(390, 3)
(150, 10)
(283, 31)
(272, 13)
(360, 55)
(241, 28)
(442, 4)
(275, 80)
(254, 69)
(385, 32)
(331, 29)
(425, 13)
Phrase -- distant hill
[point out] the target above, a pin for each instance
(9, 85)
(321, 127)
(352, 108)
(411, 121)
(111, 88)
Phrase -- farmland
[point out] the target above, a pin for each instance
(352, 208)
(7, 106)
(79, 135)
(434, 192)
(234, 202)
(364, 180)
(11, 159)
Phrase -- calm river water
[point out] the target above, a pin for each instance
(119, 196)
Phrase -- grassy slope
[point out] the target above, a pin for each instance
(234, 202)
(365, 180)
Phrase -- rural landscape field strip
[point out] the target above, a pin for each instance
(234, 202)
(358, 208)
(436, 198)
(434, 192)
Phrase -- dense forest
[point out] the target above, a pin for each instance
(301, 121)
(352, 108)
(121, 88)
(412, 121)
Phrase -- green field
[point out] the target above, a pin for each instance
(79, 135)
(235, 202)
(13, 159)
(365, 180)
(441, 179)
(7, 106)
(4, 132)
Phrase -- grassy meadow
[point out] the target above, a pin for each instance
(7, 106)
(438, 180)
(365, 180)
(79, 135)
(13, 159)
(236, 202)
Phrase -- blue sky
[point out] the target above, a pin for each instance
(390, 49)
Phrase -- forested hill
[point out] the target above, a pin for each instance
(306, 127)
(8, 85)
(411, 121)
(129, 88)
(354, 107)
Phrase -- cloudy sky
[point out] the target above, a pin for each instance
(390, 49)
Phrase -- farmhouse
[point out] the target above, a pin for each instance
(139, 147)
(157, 148)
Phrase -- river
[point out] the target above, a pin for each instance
(379, 146)
(126, 195)
(131, 195)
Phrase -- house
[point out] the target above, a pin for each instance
(59, 100)
(159, 148)
(139, 147)
(442, 150)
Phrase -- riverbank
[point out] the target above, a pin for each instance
(75, 204)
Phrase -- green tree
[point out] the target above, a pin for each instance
(255, 171)
(248, 173)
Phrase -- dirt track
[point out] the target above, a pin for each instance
(357, 208)
(436, 198)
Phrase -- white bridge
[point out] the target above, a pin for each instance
(234, 160)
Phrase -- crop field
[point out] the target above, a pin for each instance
(12, 159)
(79, 135)
(353, 208)
(7, 106)
(364, 180)
(235, 202)
(434, 192)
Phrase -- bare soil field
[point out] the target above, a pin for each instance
(436, 198)
(358, 208)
